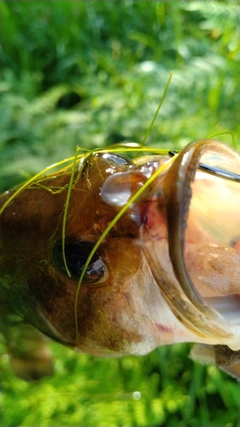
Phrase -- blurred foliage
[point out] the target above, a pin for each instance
(91, 73)
(164, 388)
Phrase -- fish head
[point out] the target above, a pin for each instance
(116, 308)
(153, 256)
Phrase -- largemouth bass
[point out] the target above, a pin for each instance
(113, 256)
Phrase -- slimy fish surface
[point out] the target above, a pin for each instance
(113, 256)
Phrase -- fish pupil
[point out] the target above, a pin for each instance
(76, 258)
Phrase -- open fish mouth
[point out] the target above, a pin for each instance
(189, 222)
(193, 244)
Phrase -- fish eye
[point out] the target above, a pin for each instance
(76, 257)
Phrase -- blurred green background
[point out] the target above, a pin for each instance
(91, 73)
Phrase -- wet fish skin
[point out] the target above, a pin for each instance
(40, 292)
(122, 311)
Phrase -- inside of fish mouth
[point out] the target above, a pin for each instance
(205, 228)
(212, 255)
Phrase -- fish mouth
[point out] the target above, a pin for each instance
(194, 256)
(188, 221)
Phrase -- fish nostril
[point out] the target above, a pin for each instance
(76, 255)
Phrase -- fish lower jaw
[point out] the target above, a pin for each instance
(228, 307)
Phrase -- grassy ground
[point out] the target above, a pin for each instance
(90, 74)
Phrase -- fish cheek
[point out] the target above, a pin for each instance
(124, 259)
(101, 330)
(101, 310)
(97, 333)
(54, 302)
